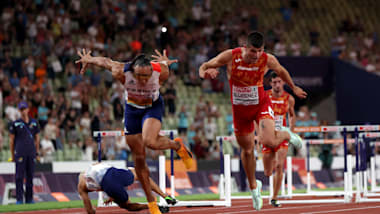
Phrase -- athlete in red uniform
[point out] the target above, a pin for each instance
(283, 105)
(246, 69)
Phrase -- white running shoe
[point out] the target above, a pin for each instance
(295, 139)
(256, 196)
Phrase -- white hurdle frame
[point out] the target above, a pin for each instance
(223, 190)
(347, 183)
(372, 173)
(361, 174)
(162, 181)
(227, 199)
(100, 135)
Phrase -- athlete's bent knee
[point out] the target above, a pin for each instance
(268, 172)
(247, 152)
(151, 144)
(269, 142)
(279, 168)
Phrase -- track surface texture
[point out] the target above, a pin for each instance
(243, 206)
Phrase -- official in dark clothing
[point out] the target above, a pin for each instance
(24, 144)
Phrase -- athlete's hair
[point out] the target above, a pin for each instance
(255, 39)
(273, 75)
(141, 61)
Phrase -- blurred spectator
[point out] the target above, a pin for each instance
(70, 125)
(295, 48)
(51, 132)
(210, 130)
(43, 112)
(314, 36)
(206, 86)
(39, 40)
(314, 50)
(47, 150)
(123, 150)
(211, 109)
(85, 123)
(14, 80)
(230, 124)
(183, 121)
(11, 112)
(200, 148)
(170, 96)
(190, 136)
(214, 151)
(280, 48)
(88, 149)
(1, 135)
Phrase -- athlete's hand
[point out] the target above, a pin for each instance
(299, 92)
(211, 73)
(84, 59)
(163, 58)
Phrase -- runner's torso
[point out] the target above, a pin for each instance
(246, 80)
(94, 175)
(280, 107)
(142, 96)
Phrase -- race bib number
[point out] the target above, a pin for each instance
(245, 95)
(278, 119)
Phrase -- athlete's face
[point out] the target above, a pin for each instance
(24, 112)
(277, 84)
(252, 54)
(142, 74)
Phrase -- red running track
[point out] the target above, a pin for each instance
(243, 206)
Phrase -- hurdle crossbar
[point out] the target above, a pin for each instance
(349, 128)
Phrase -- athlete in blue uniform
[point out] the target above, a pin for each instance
(113, 181)
(24, 145)
(142, 79)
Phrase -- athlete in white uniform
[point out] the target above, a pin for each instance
(111, 180)
(143, 110)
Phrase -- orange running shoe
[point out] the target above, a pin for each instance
(184, 154)
(153, 208)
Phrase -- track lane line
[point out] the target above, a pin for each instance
(275, 209)
(342, 210)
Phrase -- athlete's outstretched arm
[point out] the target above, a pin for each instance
(83, 192)
(165, 62)
(274, 65)
(117, 68)
(209, 68)
(292, 117)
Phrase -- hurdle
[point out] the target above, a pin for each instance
(347, 164)
(226, 167)
(348, 193)
(347, 170)
(98, 136)
(222, 190)
(116, 133)
(362, 194)
(289, 186)
(374, 188)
